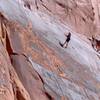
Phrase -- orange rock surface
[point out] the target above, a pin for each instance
(33, 66)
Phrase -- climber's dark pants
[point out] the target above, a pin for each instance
(66, 42)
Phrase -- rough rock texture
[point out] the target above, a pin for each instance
(33, 66)
(11, 87)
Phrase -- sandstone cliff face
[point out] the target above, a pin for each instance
(33, 66)
(10, 86)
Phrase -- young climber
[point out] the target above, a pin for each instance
(65, 44)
